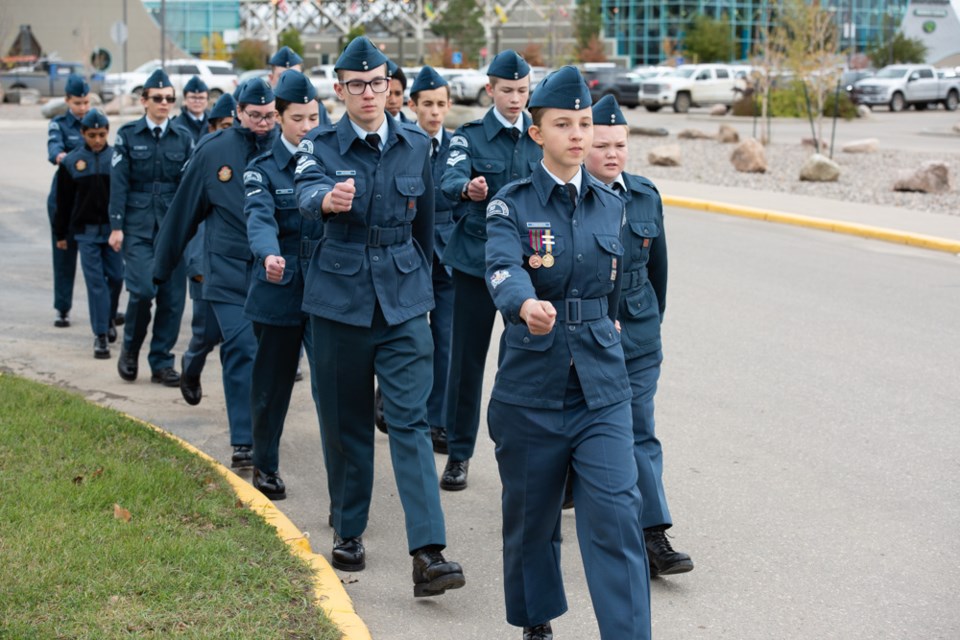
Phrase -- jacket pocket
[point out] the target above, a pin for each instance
(608, 258)
(340, 285)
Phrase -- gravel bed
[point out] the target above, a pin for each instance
(866, 178)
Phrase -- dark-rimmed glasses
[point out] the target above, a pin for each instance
(359, 87)
(161, 99)
(256, 117)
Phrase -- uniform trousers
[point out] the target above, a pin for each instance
(274, 371)
(170, 297)
(64, 261)
(534, 448)
(644, 371)
(441, 324)
(103, 274)
(236, 355)
(347, 357)
(204, 330)
(473, 317)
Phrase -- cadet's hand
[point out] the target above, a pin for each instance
(477, 189)
(274, 266)
(61, 156)
(539, 315)
(197, 278)
(616, 324)
(340, 199)
(115, 240)
(62, 244)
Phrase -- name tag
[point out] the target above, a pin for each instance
(346, 172)
(283, 192)
(538, 225)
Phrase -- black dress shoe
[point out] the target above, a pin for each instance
(538, 632)
(378, 418)
(433, 574)
(439, 437)
(127, 365)
(190, 389)
(100, 349)
(62, 320)
(454, 476)
(269, 484)
(112, 332)
(348, 554)
(242, 457)
(167, 376)
(119, 319)
(663, 559)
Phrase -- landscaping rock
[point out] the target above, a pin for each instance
(867, 145)
(819, 168)
(863, 111)
(728, 134)
(656, 132)
(718, 110)
(749, 157)
(667, 155)
(23, 96)
(824, 146)
(694, 134)
(931, 177)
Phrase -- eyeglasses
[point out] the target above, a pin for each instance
(359, 87)
(161, 99)
(257, 117)
(197, 96)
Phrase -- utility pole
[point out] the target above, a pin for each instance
(163, 33)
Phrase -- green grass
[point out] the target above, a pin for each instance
(191, 562)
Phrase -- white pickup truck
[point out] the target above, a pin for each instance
(690, 85)
(901, 85)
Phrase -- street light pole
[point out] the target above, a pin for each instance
(163, 33)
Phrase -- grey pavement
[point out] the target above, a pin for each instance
(808, 410)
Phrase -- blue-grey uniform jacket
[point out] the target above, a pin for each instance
(83, 190)
(63, 134)
(196, 128)
(482, 148)
(448, 210)
(529, 216)
(276, 228)
(380, 251)
(212, 191)
(643, 298)
(145, 176)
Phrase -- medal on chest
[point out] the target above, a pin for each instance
(540, 238)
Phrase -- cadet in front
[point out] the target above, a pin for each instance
(561, 394)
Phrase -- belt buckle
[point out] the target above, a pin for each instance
(373, 236)
(573, 310)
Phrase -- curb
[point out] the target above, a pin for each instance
(328, 591)
(918, 240)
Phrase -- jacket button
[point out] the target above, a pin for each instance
(376, 258)
(336, 265)
(571, 327)
(526, 340)
(575, 292)
(579, 257)
(378, 196)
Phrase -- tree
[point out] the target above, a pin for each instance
(460, 27)
(587, 23)
(593, 52)
(214, 48)
(709, 40)
(251, 54)
(290, 37)
(898, 49)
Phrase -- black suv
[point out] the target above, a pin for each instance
(619, 83)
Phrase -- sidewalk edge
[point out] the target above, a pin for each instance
(328, 591)
(918, 240)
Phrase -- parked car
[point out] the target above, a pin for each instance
(49, 77)
(613, 81)
(692, 85)
(323, 78)
(901, 85)
(218, 75)
(470, 87)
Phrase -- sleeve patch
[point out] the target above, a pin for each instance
(303, 164)
(254, 192)
(305, 146)
(459, 140)
(252, 176)
(499, 277)
(54, 126)
(498, 208)
(456, 157)
(117, 158)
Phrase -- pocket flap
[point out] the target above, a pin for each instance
(637, 302)
(489, 165)
(410, 186)
(340, 261)
(645, 228)
(610, 244)
(139, 200)
(407, 259)
(605, 333)
(519, 336)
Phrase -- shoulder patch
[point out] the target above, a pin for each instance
(305, 146)
(459, 140)
(54, 126)
(455, 158)
(498, 208)
(499, 277)
(252, 176)
(116, 159)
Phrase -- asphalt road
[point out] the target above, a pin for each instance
(808, 408)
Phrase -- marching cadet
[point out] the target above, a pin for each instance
(147, 158)
(398, 85)
(281, 241)
(83, 200)
(205, 332)
(642, 304)
(368, 291)
(484, 156)
(430, 101)
(212, 191)
(561, 394)
(193, 114)
(63, 136)
(284, 59)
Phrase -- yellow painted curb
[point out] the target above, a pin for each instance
(849, 228)
(328, 591)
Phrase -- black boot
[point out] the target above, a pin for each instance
(100, 349)
(454, 476)
(127, 365)
(269, 484)
(433, 574)
(663, 559)
(242, 457)
(348, 553)
(538, 632)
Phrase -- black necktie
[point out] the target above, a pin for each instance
(156, 133)
(436, 146)
(571, 193)
(373, 139)
(514, 133)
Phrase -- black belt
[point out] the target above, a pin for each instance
(156, 188)
(371, 236)
(577, 310)
(303, 247)
(633, 279)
